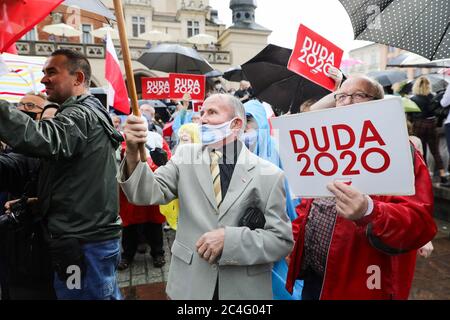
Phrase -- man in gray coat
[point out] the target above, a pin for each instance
(215, 255)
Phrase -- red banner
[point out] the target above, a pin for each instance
(180, 84)
(155, 88)
(313, 55)
(197, 105)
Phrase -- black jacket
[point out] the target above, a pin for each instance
(77, 186)
(425, 105)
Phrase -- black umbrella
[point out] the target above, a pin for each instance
(273, 83)
(175, 58)
(235, 74)
(428, 65)
(388, 77)
(213, 74)
(415, 25)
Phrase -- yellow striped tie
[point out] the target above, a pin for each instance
(215, 173)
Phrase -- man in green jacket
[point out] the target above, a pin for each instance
(77, 189)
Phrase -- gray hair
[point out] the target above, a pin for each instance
(376, 88)
(238, 109)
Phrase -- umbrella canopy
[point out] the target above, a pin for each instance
(155, 36)
(235, 74)
(175, 58)
(202, 38)
(213, 74)
(388, 77)
(442, 63)
(62, 29)
(23, 75)
(273, 83)
(418, 26)
(101, 32)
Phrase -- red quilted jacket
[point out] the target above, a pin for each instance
(387, 240)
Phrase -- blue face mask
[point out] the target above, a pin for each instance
(250, 138)
(212, 134)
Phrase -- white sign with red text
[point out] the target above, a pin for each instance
(365, 145)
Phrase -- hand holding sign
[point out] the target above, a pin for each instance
(337, 76)
(313, 56)
(350, 203)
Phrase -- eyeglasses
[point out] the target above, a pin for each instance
(29, 105)
(357, 96)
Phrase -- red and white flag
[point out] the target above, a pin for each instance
(117, 91)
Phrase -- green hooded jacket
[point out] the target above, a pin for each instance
(77, 188)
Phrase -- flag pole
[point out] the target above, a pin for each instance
(128, 70)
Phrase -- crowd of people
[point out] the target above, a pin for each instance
(73, 177)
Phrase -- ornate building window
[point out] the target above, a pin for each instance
(138, 25)
(87, 37)
(193, 28)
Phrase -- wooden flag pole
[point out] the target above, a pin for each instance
(128, 69)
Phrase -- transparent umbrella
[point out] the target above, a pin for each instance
(155, 36)
(202, 38)
(62, 29)
(101, 32)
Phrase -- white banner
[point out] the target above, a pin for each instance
(365, 145)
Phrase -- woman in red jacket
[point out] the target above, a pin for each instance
(358, 247)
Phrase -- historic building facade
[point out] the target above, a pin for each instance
(176, 19)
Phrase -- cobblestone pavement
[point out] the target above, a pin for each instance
(141, 281)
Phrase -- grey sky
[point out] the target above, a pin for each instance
(327, 17)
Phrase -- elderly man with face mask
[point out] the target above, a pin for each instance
(216, 253)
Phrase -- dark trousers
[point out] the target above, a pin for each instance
(153, 234)
(447, 137)
(425, 129)
(312, 286)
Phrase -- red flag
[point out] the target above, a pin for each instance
(117, 91)
(18, 17)
(12, 49)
